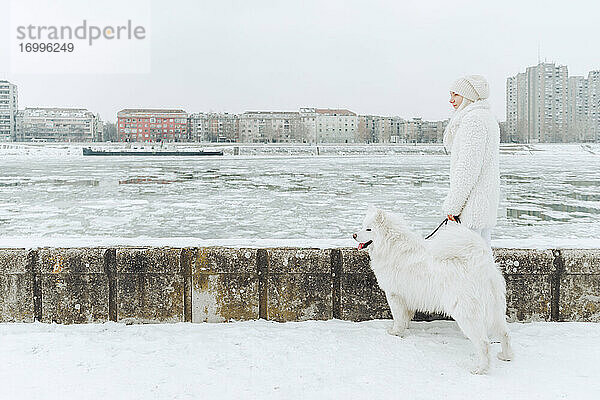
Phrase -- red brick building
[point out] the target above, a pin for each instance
(152, 125)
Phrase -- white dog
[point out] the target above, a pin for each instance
(453, 272)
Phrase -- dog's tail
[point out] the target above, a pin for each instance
(496, 312)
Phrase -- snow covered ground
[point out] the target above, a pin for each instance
(307, 360)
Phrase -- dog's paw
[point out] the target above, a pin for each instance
(505, 357)
(396, 332)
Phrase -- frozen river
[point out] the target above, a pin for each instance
(550, 191)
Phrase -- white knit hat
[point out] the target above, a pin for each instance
(472, 87)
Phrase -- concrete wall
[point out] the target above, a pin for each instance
(217, 284)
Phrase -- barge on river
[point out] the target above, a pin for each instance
(89, 152)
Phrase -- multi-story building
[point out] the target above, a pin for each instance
(270, 127)
(578, 108)
(537, 104)
(335, 125)
(308, 125)
(328, 125)
(58, 125)
(511, 109)
(152, 125)
(517, 109)
(375, 129)
(414, 130)
(8, 110)
(378, 129)
(544, 104)
(593, 104)
(548, 102)
(420, 131)
(433, 131)
(398, 132)
(213, 127)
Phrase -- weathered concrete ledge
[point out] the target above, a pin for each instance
(217, 284)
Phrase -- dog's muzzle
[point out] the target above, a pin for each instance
(362, 246)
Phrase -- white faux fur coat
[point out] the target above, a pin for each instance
(473, 139)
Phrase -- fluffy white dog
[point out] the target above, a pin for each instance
(453, 272)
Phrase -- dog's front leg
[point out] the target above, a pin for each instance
(401, 314)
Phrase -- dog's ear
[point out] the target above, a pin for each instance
(380, 217)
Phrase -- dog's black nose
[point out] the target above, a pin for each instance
(354, 235)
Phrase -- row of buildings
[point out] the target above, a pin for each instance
(546, 105)
(543, 105)
(307, 125)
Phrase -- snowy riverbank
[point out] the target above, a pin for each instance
(311, 360)
(29, 242)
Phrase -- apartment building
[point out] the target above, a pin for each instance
(270, 127)
(8, 110)
(593, 106)
(422, 131)
(58, 125)
(578, 109)
(214, 127)
(335, 125)
(544, 104)
(152, 125)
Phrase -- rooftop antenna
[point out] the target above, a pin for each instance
(538, 52)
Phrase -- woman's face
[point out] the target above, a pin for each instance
(455, 100)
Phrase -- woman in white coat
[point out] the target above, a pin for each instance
(472, 138)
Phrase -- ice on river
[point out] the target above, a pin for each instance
(51, 193)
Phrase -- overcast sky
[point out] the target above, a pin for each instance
(372, 57)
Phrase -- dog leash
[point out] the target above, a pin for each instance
(444, 222)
